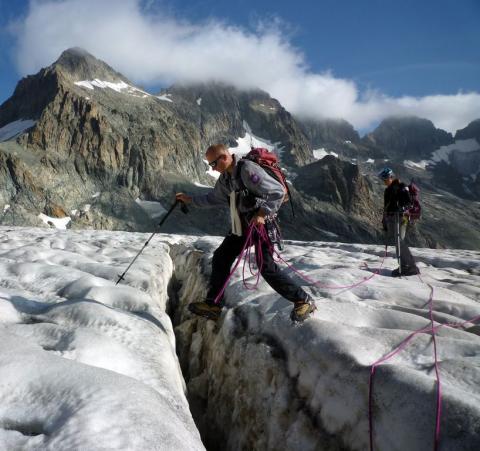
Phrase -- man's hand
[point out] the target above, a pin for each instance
(259, 218)
(186, 199)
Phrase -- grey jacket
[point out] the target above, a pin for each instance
(254, 186)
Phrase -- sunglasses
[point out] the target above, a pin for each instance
(213, 164)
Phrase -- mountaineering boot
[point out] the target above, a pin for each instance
(206, 309)
(407, 271)
(302, 310)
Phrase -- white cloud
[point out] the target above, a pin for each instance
(152, 48)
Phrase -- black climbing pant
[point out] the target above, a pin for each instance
(395, 235)
(225, 256)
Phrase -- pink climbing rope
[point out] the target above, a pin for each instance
(262, 232)
(403, 344)
(438, 409)
(262, 237)
(398, 349)
(248, 243)
(332, 287)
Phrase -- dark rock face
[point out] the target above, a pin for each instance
(107, 134)
(333, 201)
(407, 138)
(339, 136)
(472, 130)
(24, 105)
(338, 182)
(78, 64)
(106, 140)
(221, 112)
(329, 132)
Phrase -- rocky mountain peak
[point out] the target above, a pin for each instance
(224, 113)
(77, 64)
(339, 182)
(408, 137)
(329, 132)
(219, 96)
(34, 92)
(472, 130)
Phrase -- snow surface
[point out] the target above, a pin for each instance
(116, 86)
(417, 165)
(463, 145)
(201, 185)
(15, 128)
(154, 209)
(306, 386)
(166, 97)
(244, 145)
(119, 86)
(199, 101)
(322, 152)
(86, 364)
(444, 153)
(250, 140)
(370, 160)
(58, 223)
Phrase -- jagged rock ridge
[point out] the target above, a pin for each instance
(99, 141)
(408, 137)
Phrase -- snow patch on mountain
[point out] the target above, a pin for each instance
(322, 152)
(464, 155)
(15, 128)
(165, 97)
(119, 86)
(58, 223)
(464, 145)
(245, 143)
(201, 185)
(154, 209)
(417, 165)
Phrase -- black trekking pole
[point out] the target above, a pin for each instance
(397, 230)
(169, 212)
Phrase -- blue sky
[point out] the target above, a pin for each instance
(403, 47)
(361, 60)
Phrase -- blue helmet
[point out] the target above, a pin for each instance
(385, 173)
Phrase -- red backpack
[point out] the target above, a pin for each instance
(415, 210)
(269, 163)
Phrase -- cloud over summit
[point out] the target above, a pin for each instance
(153, 48)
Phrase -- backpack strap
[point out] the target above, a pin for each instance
(272, 174)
